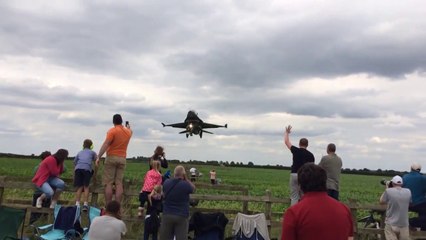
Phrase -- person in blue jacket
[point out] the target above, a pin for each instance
(416, 182)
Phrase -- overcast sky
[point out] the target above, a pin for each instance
(347, 72)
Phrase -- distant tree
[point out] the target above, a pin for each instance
(250, 164)
(232, 163)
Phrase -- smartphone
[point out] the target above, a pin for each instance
(127, 124)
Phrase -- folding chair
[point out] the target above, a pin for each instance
(10, 220)
(66, 224)
(208, 226)
(93, 212)
(250, 227)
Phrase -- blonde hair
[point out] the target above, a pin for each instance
(157, 189)
(155, 165)
(179, 171)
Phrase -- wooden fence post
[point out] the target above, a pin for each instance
(268, 208)
(1, 189)
(245, 203)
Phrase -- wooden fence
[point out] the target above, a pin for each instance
(231, 194)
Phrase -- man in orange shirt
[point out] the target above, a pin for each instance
(115, 146)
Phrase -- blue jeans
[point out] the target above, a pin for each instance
(52, 183)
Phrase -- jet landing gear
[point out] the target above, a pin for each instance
(187, 135)
(201, 134)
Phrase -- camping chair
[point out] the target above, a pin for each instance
(93, 212)
(250, 227)
(208, 226)
(66, 224)
(10, 220)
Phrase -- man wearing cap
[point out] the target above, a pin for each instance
(416, 182)
(398, 200)
(115, 146)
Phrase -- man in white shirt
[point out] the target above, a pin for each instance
(108, 226)
(398, 199)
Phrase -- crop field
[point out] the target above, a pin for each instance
(362, 188)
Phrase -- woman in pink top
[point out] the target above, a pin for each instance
(47, 178)
(152, 177)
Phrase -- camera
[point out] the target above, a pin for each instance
(386, 183)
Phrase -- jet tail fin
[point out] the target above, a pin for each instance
(163, 124)
(226, 125)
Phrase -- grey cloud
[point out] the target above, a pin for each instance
(38, 96)
(325, 48)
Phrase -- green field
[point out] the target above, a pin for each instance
(364, 189)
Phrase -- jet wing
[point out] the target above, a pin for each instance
(175, 125)
(209, 125)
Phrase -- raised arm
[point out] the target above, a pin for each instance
(287, 137)
(103, 149)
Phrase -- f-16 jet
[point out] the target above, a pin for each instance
(194, 125)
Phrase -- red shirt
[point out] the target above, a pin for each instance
(152, 178)
(48, 168)
(317, 216)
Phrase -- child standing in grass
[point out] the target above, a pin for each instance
(83, 172)
(152, 218)
(152, 177)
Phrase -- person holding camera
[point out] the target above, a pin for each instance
(398, 199)
(174, 221)
(416, 182)
(115, 146)
(159, 155)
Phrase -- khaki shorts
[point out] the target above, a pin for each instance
(114, 170)
(396, 233)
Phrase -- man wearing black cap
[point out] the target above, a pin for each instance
(115, 146)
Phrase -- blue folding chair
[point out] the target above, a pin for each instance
(93, 212)
(66, 224)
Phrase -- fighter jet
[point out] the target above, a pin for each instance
(194, 125)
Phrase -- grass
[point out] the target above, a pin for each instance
(362, 188)
(365, 189)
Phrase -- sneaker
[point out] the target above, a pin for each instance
(85, 208)
(39, 203)
(52, 204)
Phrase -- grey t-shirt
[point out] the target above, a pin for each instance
(398, 200)
(332, 164)
(107, 228)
